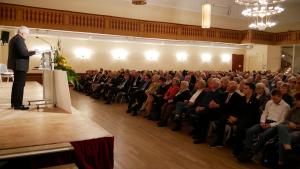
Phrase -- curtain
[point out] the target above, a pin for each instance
(95, 153)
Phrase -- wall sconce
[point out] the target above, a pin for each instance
(206, 15)
(181, 56)
(226, 58)
(206, 57)
(119, 54)
(83, 53)
(151, 55)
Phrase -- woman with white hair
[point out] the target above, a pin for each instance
(18, 61)
(261, 95)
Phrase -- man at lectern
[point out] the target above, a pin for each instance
(18, 61)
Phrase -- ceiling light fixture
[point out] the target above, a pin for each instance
(262, 10)
(139, 2)
(206, 15)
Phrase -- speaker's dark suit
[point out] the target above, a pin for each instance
(18, 61)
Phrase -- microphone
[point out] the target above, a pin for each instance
(44, 40)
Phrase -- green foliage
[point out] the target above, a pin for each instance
(61, 64)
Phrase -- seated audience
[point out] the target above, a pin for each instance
(261, 96)
(229, 113)
(285, 92)
(137, 98)
(147, 106)
(122, 86)
(158, 99)
(222, 103)
(289, 131)
(188, 105)
(166, 110)
(208, 111)
(274, 114)
(248, 116)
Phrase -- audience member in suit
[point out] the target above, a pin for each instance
(18, 61)
(158, 99)
(188, 105)
(95, 83)
(274, 114)
(289, 131)
(136, 80)
(285, 91)
(138, 97)
(90, 81)
(224, 83)
(83, 80)
(296, 89)
(112, 82)
(241, 87)
(273, 83)
(229, 113)
(192, 81)
(121, 87)
(209, 111)
(261, 96)
(147, 106)
(169, 96)
(182, 95)
(266, 82)
(292, 81)
(248, 116)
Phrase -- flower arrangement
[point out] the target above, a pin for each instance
(60, 62)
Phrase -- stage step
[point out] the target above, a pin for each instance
(67, 166)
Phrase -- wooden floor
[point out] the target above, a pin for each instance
(40, 131)
(140, 144)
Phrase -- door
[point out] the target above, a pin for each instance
(237, 62)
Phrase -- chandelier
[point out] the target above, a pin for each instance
(262, 10)
(139, 2)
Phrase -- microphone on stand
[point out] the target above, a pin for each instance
(44, 40)
(51, 60)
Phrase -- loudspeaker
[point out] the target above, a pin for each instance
(4, 36)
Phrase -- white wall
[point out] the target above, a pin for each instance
(297, 60)
(263, 57)
(274, 58)
(255, 58)
(101, 55)
(260, 57)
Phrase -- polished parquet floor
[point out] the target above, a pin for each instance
(140, 144)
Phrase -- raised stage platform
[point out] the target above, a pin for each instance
(47, 130)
